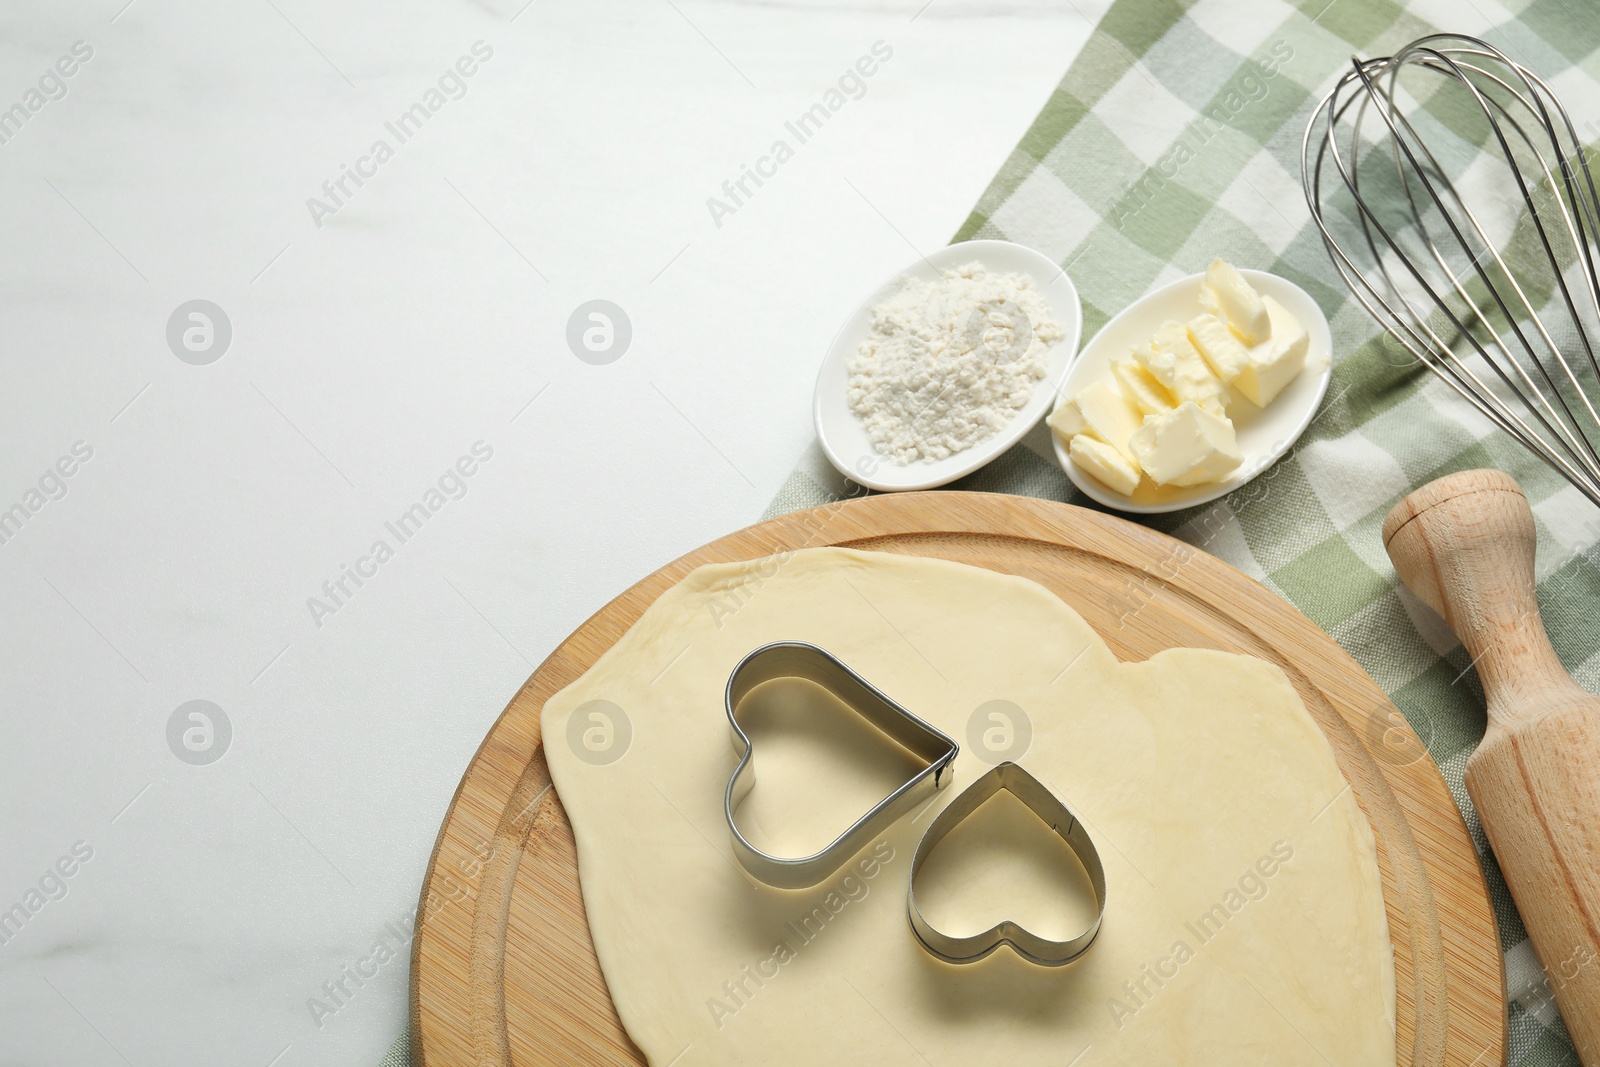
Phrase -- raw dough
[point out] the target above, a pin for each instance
(1245, 921)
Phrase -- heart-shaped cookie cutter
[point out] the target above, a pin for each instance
(794, 659)
(1030, 946)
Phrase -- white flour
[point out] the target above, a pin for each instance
(949, 362)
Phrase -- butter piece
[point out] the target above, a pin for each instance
(1277, 361)
(1101, 411)
(1104, 463)
(1186, 446)
(1141, 387)
(1218, 347)
(1230, 298)
(1174, 362)
(1067, 419)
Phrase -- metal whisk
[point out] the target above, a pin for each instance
(1455, 198)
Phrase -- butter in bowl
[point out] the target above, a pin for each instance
(1193, 390)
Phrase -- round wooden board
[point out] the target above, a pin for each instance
(503, 970)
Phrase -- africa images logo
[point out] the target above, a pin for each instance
(338, 191)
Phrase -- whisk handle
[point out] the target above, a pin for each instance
(1464, 544)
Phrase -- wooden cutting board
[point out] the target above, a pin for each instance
(503, 971)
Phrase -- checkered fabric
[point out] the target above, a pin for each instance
(1176, 137)
(399, 1054)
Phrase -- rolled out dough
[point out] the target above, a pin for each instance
(1244, 921)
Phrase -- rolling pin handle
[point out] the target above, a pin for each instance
(1464, 545)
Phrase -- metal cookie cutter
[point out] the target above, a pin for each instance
(1030, 946)
(792, 659)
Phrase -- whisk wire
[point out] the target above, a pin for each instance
(1393, 121)
(1492, 311)
(1572, 441)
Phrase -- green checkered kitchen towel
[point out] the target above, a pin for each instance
(1176, 137)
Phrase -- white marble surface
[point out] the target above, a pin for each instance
(367, 355)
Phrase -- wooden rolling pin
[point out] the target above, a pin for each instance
(1464, 544)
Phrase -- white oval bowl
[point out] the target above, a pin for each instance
(1265, 434)
(843, 437)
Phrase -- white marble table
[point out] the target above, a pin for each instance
(179, 515)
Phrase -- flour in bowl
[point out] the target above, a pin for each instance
(947, 363)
